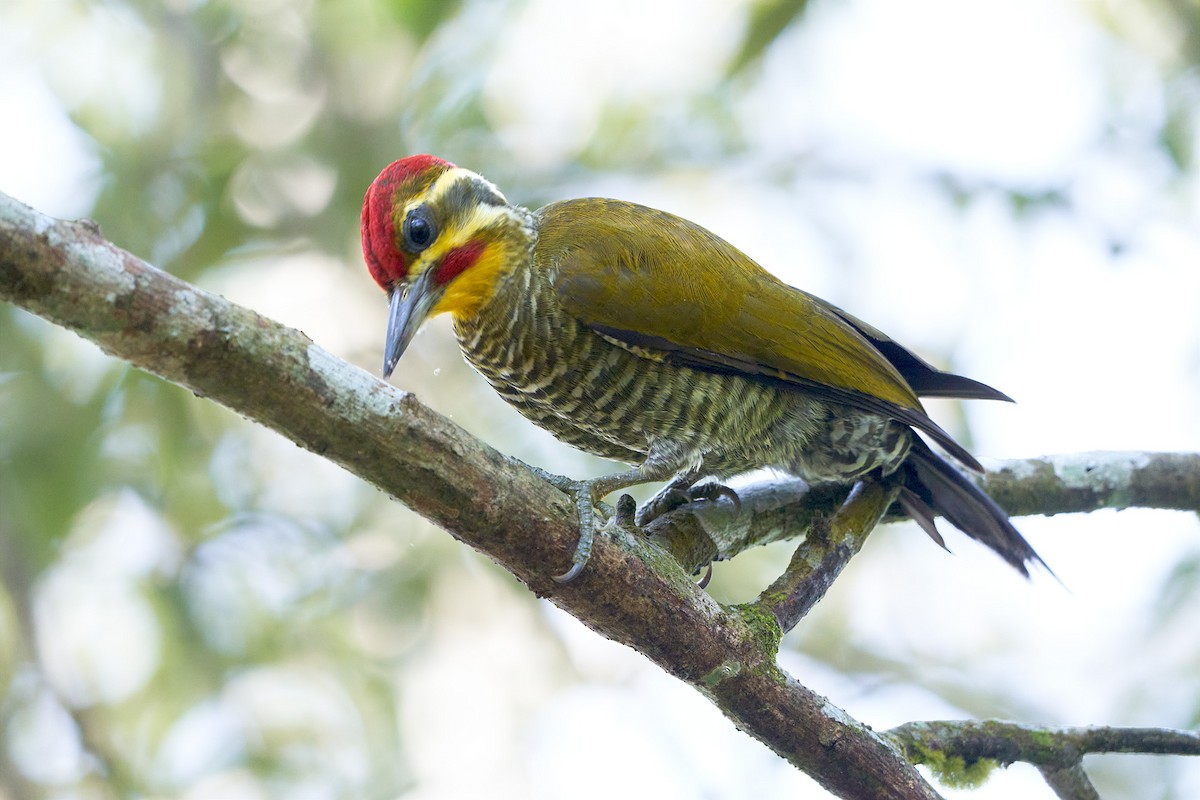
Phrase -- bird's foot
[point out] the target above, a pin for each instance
(587, 495)
(593, 516)
(679, 493)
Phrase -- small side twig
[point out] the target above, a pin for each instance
(820, 558)
(1070, 782)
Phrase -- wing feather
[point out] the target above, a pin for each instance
(924, 378)
(652, 280)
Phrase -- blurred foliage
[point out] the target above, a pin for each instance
(190, 605)
(768, 19)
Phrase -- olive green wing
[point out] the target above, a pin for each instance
(655, 281)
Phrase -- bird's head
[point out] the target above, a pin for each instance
(437, 238)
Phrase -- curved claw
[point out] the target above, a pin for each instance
(671, 497)
(715, 491)
(572, 573)
(679, 493)
(587, 531)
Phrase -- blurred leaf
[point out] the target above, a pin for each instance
(1179, 128)
(1180, 591)
(422, 17)
(768, 20)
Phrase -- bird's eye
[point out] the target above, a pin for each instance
(419, 230)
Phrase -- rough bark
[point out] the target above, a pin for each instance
(633, 591)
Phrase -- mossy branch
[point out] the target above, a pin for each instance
(631, 591)
(962, 752)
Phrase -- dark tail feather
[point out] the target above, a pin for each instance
(925, 379)
(920, 512)
(933, 486)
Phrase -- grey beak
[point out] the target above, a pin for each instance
(408, 306)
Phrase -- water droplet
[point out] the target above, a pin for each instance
(437, 371)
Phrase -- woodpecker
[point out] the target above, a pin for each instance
(641, 337)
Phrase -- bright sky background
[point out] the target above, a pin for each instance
(1101, 349)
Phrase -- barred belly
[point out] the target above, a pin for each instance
(615, 403)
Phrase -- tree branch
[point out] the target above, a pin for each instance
(824, 552)
(1079, 482)
(787, 508)
(632, 591)
(962, 752)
